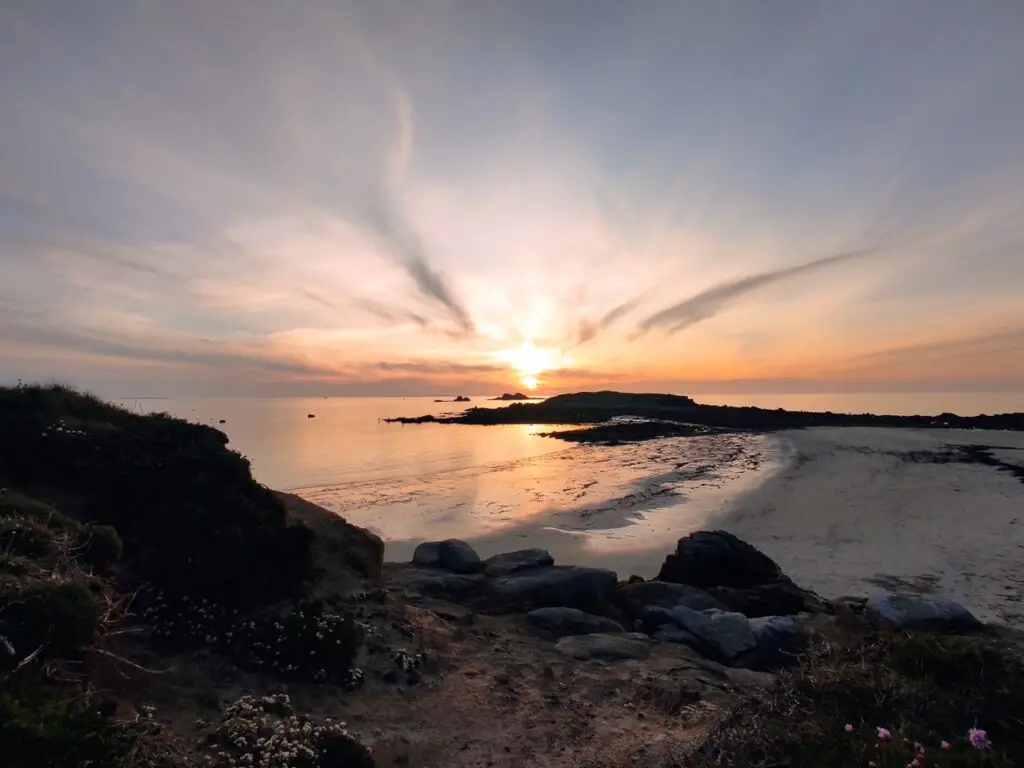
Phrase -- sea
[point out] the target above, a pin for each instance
(507, 487)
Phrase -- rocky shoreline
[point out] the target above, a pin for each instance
(715, 594)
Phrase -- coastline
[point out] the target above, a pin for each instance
(871, 510)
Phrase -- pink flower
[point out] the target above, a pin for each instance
(848, 728)
(883, 734)
(919, 749)
(978, 738)
(369, 750)
(944, 745)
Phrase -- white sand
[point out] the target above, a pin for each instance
(850, 513)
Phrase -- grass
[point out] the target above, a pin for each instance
(924, 689)
(192, 518)
(153, 510)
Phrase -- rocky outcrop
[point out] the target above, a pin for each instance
(588, 589)
(779, 641)
(563, 622)
(520, 560)
(905, 612)
(738, 575)
(452, 555)
(605, 647)
(632, 599)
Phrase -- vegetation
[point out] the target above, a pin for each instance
(886, 701)
(163, 535)
(192, 518)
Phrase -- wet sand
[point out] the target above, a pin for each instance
(864, 510)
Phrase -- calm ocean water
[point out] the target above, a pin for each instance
(505, 487)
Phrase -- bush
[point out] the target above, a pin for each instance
(61, 619)
(310, 644)
(26, 538)
(923, 689)
(100, 546)
(267, 732)
(191, 516)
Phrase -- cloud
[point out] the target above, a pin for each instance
(589, 330)
(1001, 351)
(712, 301)
(438, 367)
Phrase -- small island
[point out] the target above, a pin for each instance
(458, 399)
(512, 397)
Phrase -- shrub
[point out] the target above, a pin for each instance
(100, 546)
(60, 619)
(267, 732)
(191, 515)
(26, 537)
(311, 643)
(927, 689)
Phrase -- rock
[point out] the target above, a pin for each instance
(778, 640)
(605, 647)
(905, 612)
(779, 597)
(670, 633)
(562, 622)
(724, 637)
(453, 587)
(458, 557)
(718, 559)
(588, 589)
(520, 560)
(848, 605)
(427, 555)
(632, 599)
(452, 555)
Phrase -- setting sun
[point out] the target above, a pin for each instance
(529, 361)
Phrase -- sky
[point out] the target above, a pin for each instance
(276, 197)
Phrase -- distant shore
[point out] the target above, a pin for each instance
(613, 417)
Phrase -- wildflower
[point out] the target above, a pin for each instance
(883, 734)
(944, 745)
(848, 728)
(978, 738)
(918, 749)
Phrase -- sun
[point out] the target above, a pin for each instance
(530, 361)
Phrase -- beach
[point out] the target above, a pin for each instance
(862, 511)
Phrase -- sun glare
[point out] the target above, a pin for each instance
(530, 361)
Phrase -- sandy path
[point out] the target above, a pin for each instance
(862, 510)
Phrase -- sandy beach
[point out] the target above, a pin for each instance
(857, 511)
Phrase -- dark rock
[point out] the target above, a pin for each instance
(453, 587)
(780, 597)
(427, 555)
(655, 617)
(520, 560)
(562, 622)
(849, 605)
(633, 598)
(605, 647)
(588, 589)
(778, 639)
(905, 612)
(457, 556)
(724, 637)
(452, 555)
(718, 559)
(670, 633)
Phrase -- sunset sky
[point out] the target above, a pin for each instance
(273, 197)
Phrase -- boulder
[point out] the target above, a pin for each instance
(724, 637)
(520, 560)
(605, 647)
(427, 555)
(778, 640)
(906, 612)
(718, 559)
(632, 599)
(562, 622)
(779, 597)
(454, 587)
(452, 555)
(588, 589)
(670, 633)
